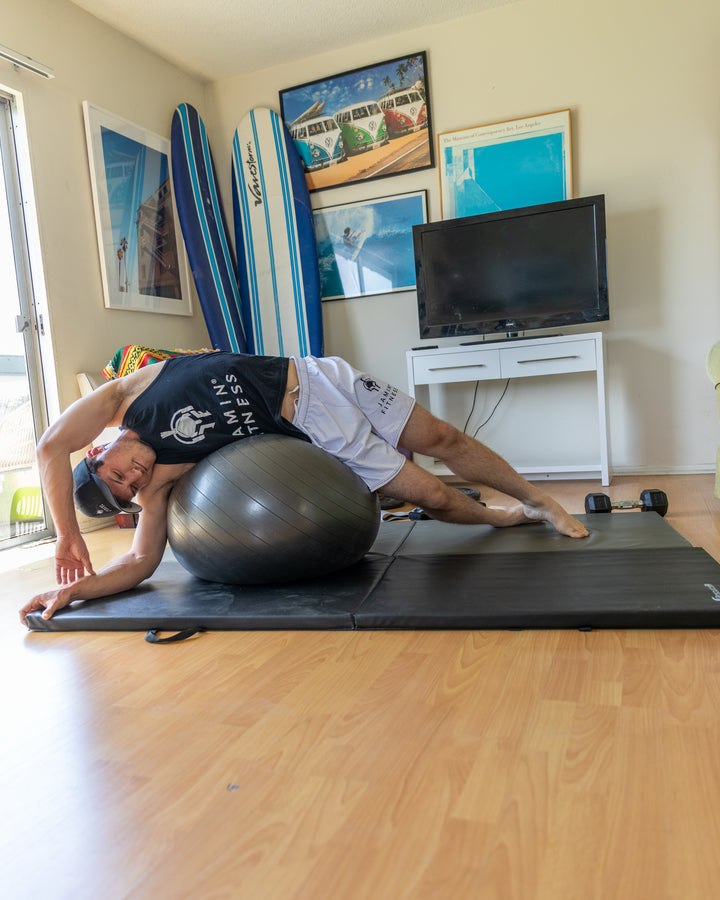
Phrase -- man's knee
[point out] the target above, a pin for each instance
(436, 496)
(417, 486)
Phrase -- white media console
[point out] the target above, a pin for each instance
(511, 359)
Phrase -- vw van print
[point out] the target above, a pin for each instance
(362, 126)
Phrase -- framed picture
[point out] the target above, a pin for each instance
(367, 123)
(366, 247)
(521, 162)
(142, 258)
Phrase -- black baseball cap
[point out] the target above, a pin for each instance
(94, 498)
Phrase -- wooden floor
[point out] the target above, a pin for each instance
(381, 765)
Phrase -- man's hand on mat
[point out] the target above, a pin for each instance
(72, 560)
(49, 601)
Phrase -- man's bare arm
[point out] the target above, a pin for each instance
(123, 573)
(77, 427)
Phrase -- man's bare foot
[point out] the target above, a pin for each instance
(551, 511)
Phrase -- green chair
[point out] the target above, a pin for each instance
(26, 510)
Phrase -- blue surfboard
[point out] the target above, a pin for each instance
(278, 273)
(204, 230)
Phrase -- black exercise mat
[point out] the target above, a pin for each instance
(608, 531)
(634, 571)
(175, 600)
(660, 588)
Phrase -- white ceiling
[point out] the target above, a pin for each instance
(222, 38)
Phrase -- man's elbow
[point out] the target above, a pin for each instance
(48, 447)
(144, 565)
(44, 447)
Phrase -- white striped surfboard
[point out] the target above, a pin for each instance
(278, 276)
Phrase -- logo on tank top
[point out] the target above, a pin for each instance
(187, 426)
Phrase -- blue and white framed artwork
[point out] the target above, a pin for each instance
(505, 165)
(366, 247)
(143, 262)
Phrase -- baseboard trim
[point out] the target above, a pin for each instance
(708, 469)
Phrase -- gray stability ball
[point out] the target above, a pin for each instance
(270, 509)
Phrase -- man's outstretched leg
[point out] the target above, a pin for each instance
(476, 464)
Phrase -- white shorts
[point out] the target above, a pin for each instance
(353, 416)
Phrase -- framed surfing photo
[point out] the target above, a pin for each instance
(505, 165)
(142, 258)
(366, 248)
(367, 123)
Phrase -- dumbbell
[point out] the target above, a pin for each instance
(650, 501)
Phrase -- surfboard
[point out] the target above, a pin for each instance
(204, 230)
(278, 273)
(310, 113)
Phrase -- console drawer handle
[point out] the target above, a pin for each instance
(466, 366)
(522, 362)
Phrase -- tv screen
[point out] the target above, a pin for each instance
(513, 270)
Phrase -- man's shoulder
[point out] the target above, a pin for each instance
(131, 386)
(164, 478)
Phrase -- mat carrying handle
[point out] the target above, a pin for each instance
(152, 636)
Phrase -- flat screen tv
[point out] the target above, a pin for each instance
(514, 270)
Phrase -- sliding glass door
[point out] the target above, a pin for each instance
(22, 407)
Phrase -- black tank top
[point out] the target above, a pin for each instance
(202, 402)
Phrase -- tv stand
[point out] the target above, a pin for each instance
(509, 359)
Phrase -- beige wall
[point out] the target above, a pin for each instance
(640, 77)
(91, 62)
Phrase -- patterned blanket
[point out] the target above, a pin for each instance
(133, 357)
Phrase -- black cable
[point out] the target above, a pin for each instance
(483, 424)
(472, 408)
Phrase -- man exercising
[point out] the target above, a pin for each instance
(174, 413)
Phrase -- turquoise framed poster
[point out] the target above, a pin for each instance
(505, 165)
